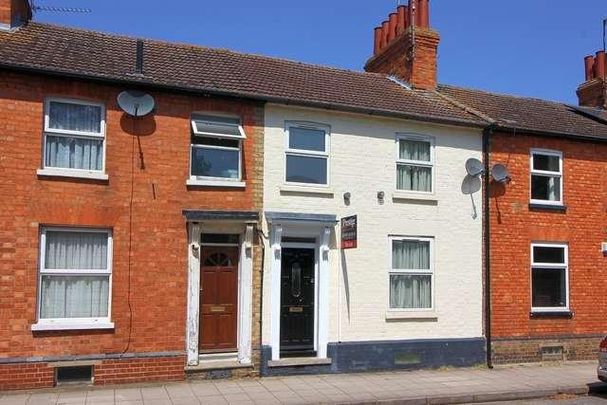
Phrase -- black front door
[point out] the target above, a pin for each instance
(297, 302)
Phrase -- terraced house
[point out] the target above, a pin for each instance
(547, 224)
(178, 211)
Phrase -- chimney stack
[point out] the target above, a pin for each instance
(593, 92)
(406, 47)
(14, 13)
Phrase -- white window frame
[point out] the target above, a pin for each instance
(412, 272)
(545, 173)
(211, 180)
(431, 164)
(554, 266)
(73, 323)
(326, 154)
(48, 131)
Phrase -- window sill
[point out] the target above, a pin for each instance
(422, 197)
(404, 315)
(215, 183)
(538, 314)
(327, 191)
(48, 326)
(535, 206)
(77, 174)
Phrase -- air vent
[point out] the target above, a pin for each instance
(74, 375)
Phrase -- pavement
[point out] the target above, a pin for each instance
(443, 386)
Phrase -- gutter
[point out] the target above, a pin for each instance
(487, 132)
(140, 81)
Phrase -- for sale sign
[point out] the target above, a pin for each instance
(349, 236)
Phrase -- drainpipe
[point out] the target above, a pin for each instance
(487, 132)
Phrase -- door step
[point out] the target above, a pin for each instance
(210, 357)
(299, 361)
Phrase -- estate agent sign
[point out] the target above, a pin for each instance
(349, 237)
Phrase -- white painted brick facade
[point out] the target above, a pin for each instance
(362, 162)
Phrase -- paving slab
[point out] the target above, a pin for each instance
(445, 386)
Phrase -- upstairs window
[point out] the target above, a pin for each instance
(546, 177)
(216, 152)
(414, 163)
(74, 135)
(411, 275)
(307, 154)
(549, 277)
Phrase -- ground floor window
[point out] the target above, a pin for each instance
(75, 274)
(549, 277)
(411, 274)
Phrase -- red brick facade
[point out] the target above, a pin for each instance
(518, 336)
(153, 321)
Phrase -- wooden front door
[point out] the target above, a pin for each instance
(297, 302)
(218, 299)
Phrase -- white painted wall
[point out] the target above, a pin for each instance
(362, 162)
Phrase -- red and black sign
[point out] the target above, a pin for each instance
(349, 235)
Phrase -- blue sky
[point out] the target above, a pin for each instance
(524, 47)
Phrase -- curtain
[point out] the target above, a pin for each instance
(76, 250)
(410, 291)
(414, 290)
(75, 117)
(554, 188)
(414, 150)
(414, 178)
(74, 296)
(74, 153)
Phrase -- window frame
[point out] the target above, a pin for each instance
(430, 164)
(212, 180)
(48, 131)
(545, 173)
(550, 266)
(74, 323)
(414, 272)
(326, 154)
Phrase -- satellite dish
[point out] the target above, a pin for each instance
(474, 167)
(500, 173)
(136, 103)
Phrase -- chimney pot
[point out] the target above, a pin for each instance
(385, 33)
(413, 12)
(423, 13)
(392, 26)
(401, 23)
(588, 66)
(377, 40)
(599, 65)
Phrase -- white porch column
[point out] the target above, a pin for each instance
(323, 292)
(275, 252)
(193, 293)
(246, 296)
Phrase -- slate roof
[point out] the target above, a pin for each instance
(63, 50)
(532, 114)
(81, 53)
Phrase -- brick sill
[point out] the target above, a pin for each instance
(550, 314)
(547, 207)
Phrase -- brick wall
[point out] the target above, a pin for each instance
(26, 376)
(514, 225)
(158, 276)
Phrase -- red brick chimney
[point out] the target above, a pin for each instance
(14, 13)
(406, 47)
(593, 92)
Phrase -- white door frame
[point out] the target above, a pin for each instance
(245, 283)
(321, 232)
